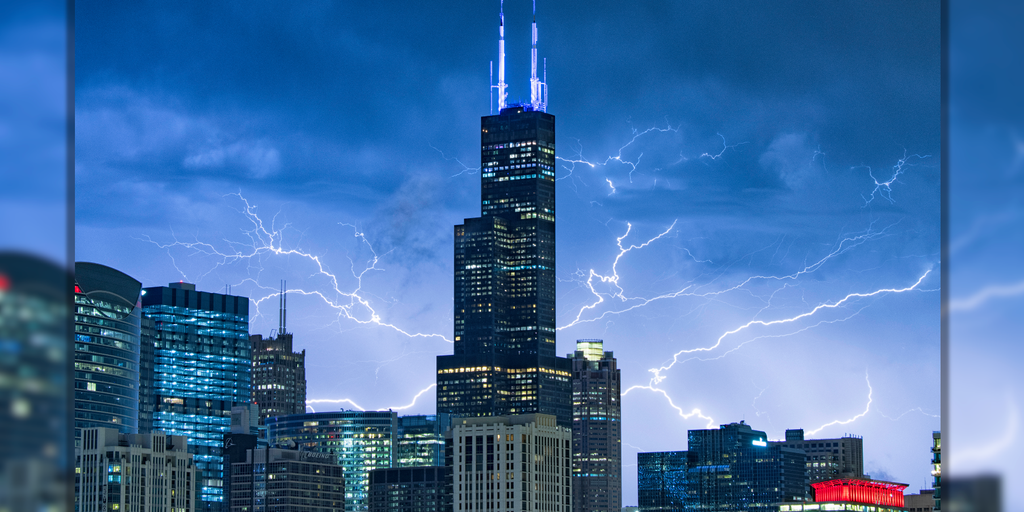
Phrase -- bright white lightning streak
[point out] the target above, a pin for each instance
(658, 377)
(618, 156)
(840, 247)
(694, 412)
(851, 420)
(610, 185)
(884, 188)
(269, 241)
(357, 406)
(916, 409)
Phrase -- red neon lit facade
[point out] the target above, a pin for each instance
(869, 492)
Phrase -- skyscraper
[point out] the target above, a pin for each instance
(504, 361)
(107, 348)
(828, 459)
(661, 481)
(202, 367)
(278, 374)
(596, 429)
(421, 440)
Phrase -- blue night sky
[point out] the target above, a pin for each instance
(789, 279)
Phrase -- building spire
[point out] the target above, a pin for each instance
(283, 301)
(538, 88)
(502, 95)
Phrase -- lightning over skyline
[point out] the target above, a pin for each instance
(700, 232)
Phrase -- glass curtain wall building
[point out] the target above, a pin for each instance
(421, 440)
(361, 440)
(504, 361)
(734, 468)
(202, 365)
(107, 349)
(661, 481)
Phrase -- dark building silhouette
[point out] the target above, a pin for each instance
(278, 376)
(410, 489)
(661, 481)
(504, 361)
(279, 480)
(828, 459)
(596, 429)
(107, 349)
(202, 368)
(734, 468)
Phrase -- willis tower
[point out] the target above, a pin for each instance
(504, 361)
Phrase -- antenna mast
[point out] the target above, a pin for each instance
(282, 317)
(501, 60)
(538, 88)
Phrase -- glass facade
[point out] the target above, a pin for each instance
(504, 361)
(411, 489)
(202, 364)
(596, 429)
(734, 468)
(421, 440)
(362, 441)
(107, 349)
(661, 481)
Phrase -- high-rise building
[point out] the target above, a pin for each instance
(937, 468)
(279, 480)
(734, 468)
(410, 489)
(107, 349)
(853, 494)
(202, 368)
(361, 440)
(828, 459)
(510, 464)
(278, 374)
(596, 429)
(421, 440)
(504, 361)
(133, 472)
(661, 481)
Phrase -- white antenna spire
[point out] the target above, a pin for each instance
(501, 60)
(538, 88)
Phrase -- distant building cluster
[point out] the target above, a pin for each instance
(179, 408)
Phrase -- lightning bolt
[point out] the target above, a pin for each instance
(465, 168)
(357, 406)
(884, 188)
(851, 420)
(916, 409)
(693, 412)
(269, 241)
(722, 152)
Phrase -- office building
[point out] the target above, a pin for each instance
(504, 361)
(279, 480)
(596, 429)
(661, 481)
(278, 374)
(421, 440)
(734, 468)
(360, 440)
(828, 459)
(410, 489)
(133, 472)
(858, 495)
(516, 463)
(922, 502)
(107, 349)
(937, 468)
(202, 368)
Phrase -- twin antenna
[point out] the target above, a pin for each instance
(282, 315)
(538, 87)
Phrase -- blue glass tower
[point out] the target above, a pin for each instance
(661, 481)
(202, 367)
(107, 348)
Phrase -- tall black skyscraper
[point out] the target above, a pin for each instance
(504, 361)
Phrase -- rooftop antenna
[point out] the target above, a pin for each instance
(538, 89)
(282, 315)
(501, 60)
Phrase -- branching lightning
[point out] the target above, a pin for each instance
(693, 412)
(264, 240)
(884, 188)
(357, 406)
(851, 420)
(465, 168)
(722, 152)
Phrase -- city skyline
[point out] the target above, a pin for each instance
(725, 160)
